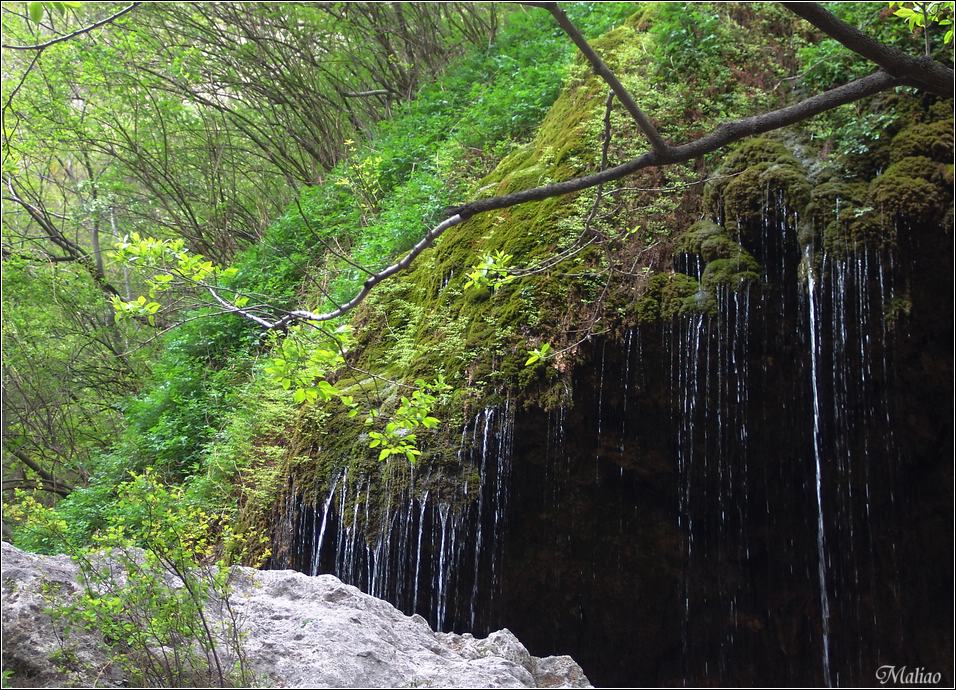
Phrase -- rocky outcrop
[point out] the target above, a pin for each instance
(302, 632)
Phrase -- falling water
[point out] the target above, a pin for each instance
(724, 474)
(817, 452)
(431, 547)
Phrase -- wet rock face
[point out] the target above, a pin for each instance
(302, 632)
(668, 527)
(760, 494)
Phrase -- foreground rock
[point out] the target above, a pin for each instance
(302, 632)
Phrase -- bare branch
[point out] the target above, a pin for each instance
(47, 477)
(377, 278)
(228, 307)
(724, 134)
(78, 32)
(366, 94)
(923, 72)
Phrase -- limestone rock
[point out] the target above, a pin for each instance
(302, 632)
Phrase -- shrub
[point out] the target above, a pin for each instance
(152, 587)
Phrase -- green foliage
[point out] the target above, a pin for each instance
(539, 354)
(38, 9)
(491, 272)
(924, 14)
(302, 366)
(691, 40)
(398, 436)
(168, 265)
(853, 132)
(161, 603)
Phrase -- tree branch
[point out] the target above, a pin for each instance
(366, 94)
(45, 476)
(923, 72)
(661, 153)
(601, 69)
(721, 136)
(95, 25)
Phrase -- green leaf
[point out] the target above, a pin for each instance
(36, 11)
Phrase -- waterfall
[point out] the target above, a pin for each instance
(815, 349)
(431, 547)
(715, 499)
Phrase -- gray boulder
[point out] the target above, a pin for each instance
(302, 632)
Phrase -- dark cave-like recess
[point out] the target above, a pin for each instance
(665, 526)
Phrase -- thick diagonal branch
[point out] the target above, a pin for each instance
(606, 73)
(56, 485)
(922, 72)
(720, 137)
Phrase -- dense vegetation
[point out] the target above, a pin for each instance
(301, 147)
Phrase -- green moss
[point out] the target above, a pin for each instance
(756, 169)
(665, 296)
(791, 181)
(897, 308)
(753, 151)
(941, 110)
(919, 167)
(709, 240)
(933, 140)
(832, 196)
(744, 198)
(855, 229)
(912, 198)
(735, 272)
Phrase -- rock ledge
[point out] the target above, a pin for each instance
(302, 632)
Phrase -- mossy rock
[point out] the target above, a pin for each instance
(791, 180)
(757, 169)
(664, 296)
(933, 140)
(744, 197)
(749, 153)
(941, 110)
(833, 197)
(909, 198)
(708, 240)
(856, 230)
(920, 167)
(757, 150)
(735, 272)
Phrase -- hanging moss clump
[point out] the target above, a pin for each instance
(896, 194)
(708, 240)
(933, 140)
(748, 176)
(735, 272)
(665, 296)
